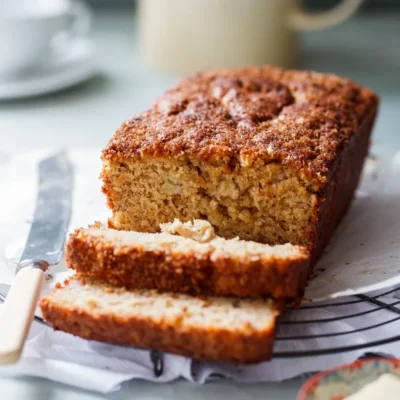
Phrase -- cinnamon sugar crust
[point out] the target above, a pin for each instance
(296, 118)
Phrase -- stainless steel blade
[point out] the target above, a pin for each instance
(4, 288)
(53, 208)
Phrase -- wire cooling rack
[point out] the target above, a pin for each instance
(295, 329)
(372, 305)
(357, 310)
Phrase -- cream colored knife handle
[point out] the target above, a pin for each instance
(17, 313)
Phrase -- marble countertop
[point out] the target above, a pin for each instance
(365, 49)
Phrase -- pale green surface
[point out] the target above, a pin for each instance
(87, 115)
(39, 389)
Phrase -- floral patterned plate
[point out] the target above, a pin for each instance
(337, 383)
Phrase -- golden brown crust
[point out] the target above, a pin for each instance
(185, 272)
(297, 118)
(209, 344)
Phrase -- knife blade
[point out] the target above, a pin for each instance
(4, 288)
(53, 208)
(44, 247)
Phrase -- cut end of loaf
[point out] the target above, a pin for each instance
(266, 203)
(206, 328)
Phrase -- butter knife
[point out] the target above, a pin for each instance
(44, 247)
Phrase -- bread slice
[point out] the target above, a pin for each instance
(196, 262)
(204, 328)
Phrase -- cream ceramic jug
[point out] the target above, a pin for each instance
(184, 36)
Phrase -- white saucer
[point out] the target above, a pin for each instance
(69, 68)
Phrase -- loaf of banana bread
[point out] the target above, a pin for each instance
(265, 154)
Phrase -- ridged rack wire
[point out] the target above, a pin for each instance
(299, 324)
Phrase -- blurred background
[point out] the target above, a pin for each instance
(110, 58)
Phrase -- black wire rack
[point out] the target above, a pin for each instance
(375, 305)
(293, 326)
(295, 329)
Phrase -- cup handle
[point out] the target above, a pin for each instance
(80, 27)
(303, 21)
(82, 19)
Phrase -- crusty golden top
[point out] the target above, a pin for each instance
(236, 116)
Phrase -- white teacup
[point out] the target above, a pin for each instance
(29, 29)
(184, 36)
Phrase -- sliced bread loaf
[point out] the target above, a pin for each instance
(188, 258)
(204, 328)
